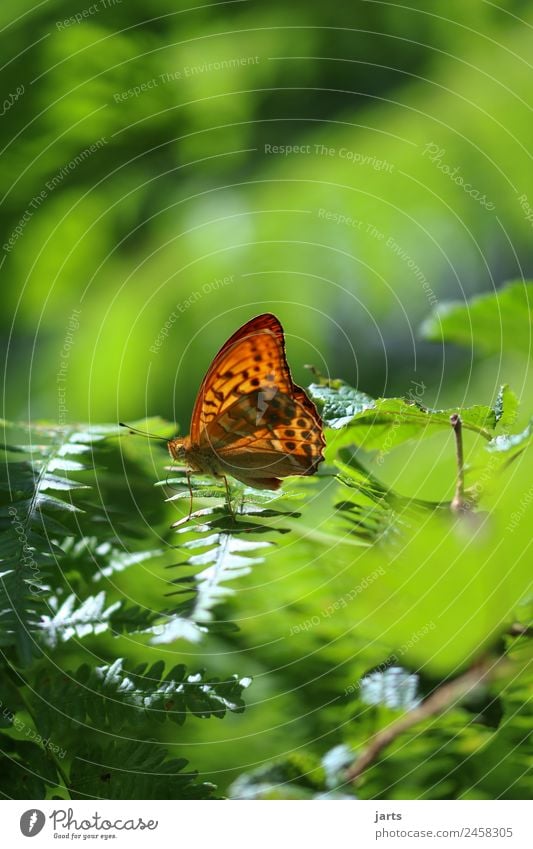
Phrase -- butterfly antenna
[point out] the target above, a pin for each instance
(142, 432)
(190, 493)
(173, 465)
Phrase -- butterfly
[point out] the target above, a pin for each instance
(250, 420)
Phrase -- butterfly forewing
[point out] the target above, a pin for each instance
(252, 360)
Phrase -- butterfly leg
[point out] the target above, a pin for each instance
(228, 496)
(189, 484)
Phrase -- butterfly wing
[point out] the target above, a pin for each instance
(241, 367)
(250, 414)
(270, 432)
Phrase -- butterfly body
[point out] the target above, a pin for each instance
(250, 420)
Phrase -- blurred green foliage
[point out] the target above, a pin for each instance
(180, 191)
(347, 601)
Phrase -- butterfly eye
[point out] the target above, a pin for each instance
(177, 449)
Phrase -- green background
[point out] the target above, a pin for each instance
(181, 192)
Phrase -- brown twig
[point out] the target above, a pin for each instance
(459, 505)
(441, 700)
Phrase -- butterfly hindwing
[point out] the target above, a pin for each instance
(268, 423)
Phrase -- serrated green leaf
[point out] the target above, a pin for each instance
(511, 443)
(72, 447)
(446, 595)
(488, 323)
(65, 465)
(505, 407)
(56, 504)
(389, 421)
(339, 403)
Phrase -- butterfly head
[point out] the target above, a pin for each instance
(177, 448)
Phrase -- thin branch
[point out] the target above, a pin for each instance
(459, 504)
(442, 699)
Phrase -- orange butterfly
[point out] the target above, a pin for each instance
(250, 420)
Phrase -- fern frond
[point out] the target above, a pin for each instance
(371, 511)
(44, 519)
(129, 769)
(221, 554)
(111, 696)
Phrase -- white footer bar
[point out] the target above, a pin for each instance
(268, 824)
